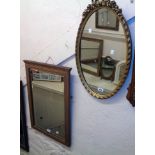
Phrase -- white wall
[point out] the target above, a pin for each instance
(99, 127)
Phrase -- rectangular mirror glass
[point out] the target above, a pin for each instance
(48, 88)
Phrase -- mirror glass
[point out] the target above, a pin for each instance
(48, 102)
(106, 19)
(103, 51)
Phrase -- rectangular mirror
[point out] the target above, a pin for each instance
(48, 90)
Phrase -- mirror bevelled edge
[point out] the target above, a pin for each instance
(92, 8)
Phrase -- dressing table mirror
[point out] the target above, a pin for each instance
(103, 49)
(49, 95)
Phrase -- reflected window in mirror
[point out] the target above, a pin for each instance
(48, 88)
(103, 55)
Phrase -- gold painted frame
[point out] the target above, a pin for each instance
(91, 8)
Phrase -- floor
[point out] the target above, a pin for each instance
(96, 81)
(22, 152)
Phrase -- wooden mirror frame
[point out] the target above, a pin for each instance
(131, 89)
(91, 8)
(63, 71)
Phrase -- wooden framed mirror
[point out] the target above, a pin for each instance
(49, 99)
(113, 46)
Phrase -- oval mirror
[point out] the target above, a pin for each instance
(103, 49)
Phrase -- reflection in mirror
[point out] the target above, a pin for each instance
(48, 90)
(48, 101)
(103, 52)
(106, 19)
(91, 52)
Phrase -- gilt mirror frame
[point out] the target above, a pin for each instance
(57, 70)
(92, 8)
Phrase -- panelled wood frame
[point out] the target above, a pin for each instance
(51, 69)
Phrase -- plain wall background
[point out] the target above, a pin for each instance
(99, 127)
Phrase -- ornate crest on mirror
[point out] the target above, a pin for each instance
(49, 99)
(103, 49)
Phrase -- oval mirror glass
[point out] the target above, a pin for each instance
(103, 52)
